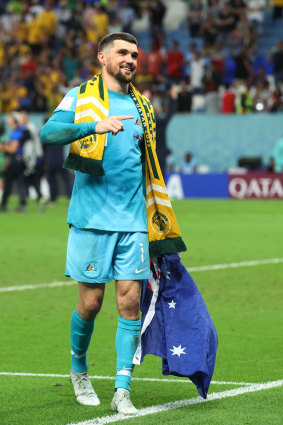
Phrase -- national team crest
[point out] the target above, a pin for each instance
(92, 269)
(88, 144)
(160, 222)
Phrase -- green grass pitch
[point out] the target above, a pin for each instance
(244, 302)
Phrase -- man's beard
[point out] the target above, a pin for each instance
(118, 75)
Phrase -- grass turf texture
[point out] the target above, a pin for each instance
(245, 304)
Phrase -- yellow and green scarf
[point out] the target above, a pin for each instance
(86, 155)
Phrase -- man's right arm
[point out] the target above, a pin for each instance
(60, 129)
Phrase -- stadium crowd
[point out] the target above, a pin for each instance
(48, 47)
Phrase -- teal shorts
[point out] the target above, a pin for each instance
(96, 256)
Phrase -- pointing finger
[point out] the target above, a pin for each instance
(125, 117)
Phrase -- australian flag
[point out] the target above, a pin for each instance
(176, 324)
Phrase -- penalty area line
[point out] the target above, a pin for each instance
(190, 269)
(112, 378)
(181, 403)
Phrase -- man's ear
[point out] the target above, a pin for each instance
(101, 57)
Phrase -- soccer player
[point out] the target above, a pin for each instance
(107, 218)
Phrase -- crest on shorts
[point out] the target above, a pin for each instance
(91, 269)
(160, 222)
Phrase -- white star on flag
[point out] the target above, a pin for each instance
(177, 351)
(172, 304)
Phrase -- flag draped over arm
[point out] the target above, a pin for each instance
(176, 324)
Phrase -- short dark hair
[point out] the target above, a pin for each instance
(110, 38)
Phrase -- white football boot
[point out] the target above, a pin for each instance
(84, 392)
(121, 402)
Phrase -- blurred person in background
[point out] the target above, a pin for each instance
(189, 165)
(163, 118)
(277, 59)
(184, 98)
(228, 99)
(53, 162)
(277, 12)
(157, 11)
(14, 166)
(127, 16)
(33, 158)
(195, 17)
(255, 10)
(175, 61)
(277, 155)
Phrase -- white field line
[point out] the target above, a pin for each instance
(236, 265)
(181, 403)
(190, 269)
(39, 286)
(112, 378)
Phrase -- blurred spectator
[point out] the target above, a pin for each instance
(71, 63)
(157, 11)
(169, 162)
(63, 17)
(142, 59)
(154, 61)
(277, 9)
(260, 97)
(208, 30)
(47, 20)
(32, 156)
(189, 54)
(13, 96)
(275, 101)
(255, 9)
(270, 165)
(277, 59)
(226, 23)
(189, 165)
(244, 101)
(195, 17)
(218, 57)
(115, 26)
(244, 69)
(238, 8)
(175, 60)
(101, 21)
(54, 158)
(212, 9)
(277, 155)
(212, 80)
(197, 73)
(162, 120)
(127, 16)
(14, 163)
(228, 100)
(184, 98)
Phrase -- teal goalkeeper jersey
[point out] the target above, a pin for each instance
(116, 201)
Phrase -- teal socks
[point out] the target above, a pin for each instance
(127, 340)
(81, 331)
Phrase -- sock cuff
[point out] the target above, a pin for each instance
(133, 325)
(81, 321)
